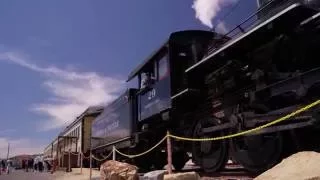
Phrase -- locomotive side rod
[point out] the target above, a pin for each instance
(218, 128)
(308, 121)
(263, 131)
(283, 127)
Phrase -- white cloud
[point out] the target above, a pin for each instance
(71, 91)
(19, 146)
(207, 10)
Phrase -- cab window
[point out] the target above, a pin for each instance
(155, 70)
(147, 76)
(163, 67)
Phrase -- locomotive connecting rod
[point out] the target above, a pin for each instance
(218, 127)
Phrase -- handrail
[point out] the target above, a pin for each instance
(242, 29)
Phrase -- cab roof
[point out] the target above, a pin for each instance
(178, 36)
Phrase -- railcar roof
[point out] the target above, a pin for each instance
(92, 110)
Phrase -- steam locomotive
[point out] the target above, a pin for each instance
(202, 84)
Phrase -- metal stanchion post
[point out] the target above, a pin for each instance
(113, 153)
(169, 154)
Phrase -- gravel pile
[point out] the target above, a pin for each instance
(303, 165)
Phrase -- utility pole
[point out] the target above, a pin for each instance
(8, 151)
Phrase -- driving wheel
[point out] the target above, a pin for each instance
(210, 155)
(257, 153)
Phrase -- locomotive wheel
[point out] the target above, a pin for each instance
(179, 160)
(209, 155)
(259, 152)
(159, 160)
(143, 162)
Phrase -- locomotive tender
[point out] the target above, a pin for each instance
(203, 84)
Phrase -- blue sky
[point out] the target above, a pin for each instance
(58, 57)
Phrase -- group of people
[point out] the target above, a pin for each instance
(5, 166)
(35, 165)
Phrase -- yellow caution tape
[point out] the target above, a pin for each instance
(141, 154)
(250, 130)
(104, 158)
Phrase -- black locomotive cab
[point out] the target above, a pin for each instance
(162, 75)
(154, 86)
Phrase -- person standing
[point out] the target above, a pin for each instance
(27, 165)
(3, 165)
(23, 164)
(8, 166)
(35, 164)
(31, 164)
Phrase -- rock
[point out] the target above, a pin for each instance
(155, 175)
(184, 176)
(114, 170)
(303, 165)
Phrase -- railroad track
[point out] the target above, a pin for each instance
(230, 172)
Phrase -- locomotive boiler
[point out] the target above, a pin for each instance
(201, 84)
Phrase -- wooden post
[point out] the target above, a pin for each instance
(169, 154)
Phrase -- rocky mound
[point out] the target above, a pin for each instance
(302, 166)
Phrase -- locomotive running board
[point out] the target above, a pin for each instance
(183, 92)
(311, 19)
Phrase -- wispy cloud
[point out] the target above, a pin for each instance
(6, 131)
(71, 91)
(207, 10)
(19, 146)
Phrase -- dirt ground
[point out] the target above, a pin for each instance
(74, 175)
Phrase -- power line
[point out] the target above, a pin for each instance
(8, 151)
